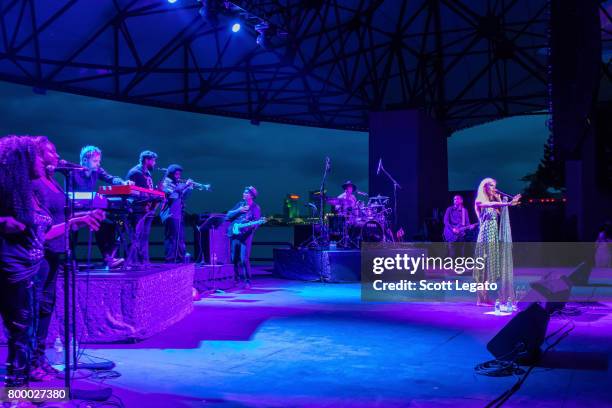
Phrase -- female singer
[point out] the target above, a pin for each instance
(498, 264)
(51, 197)
(25, 227)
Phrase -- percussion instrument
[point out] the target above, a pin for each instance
(372, 231)
(337, 224)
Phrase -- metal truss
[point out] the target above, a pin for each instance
(605, 14)
(464, 62)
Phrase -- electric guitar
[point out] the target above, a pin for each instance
(452, 236)
(237, 227)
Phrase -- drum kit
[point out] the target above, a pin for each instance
(354, 221)
(357, 221)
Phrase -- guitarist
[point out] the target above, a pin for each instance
(456, 222)
(240, 244)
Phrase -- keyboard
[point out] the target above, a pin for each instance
(131, 192)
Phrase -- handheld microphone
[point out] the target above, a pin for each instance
(379, 166)
(504, 194)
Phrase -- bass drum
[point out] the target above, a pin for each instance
(336, 225)
(372, 231)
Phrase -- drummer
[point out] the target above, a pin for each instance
(348, 201)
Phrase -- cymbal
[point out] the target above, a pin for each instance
(379, 197)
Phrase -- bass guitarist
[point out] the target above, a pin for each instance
(456, 224)
(245, 211)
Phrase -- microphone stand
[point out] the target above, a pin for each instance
(396, 185)
(324, 231)
(70, 347)
(68, 273)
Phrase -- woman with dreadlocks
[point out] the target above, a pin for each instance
(24, 227)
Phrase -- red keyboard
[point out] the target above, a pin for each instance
(131, 191)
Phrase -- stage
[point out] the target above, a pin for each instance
(132, 305)
(311, 344)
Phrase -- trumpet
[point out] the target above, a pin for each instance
(198, 186)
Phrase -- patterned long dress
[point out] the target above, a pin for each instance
(487, 247)
(494, 244)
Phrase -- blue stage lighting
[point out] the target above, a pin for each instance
(172, 1)
(236, 27)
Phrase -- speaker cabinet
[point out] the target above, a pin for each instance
(522, 336)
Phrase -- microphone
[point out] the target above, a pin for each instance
(504, 194)
(65, 166)
(161, 168)
(379, 166)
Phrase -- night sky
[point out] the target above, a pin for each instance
(231, 153)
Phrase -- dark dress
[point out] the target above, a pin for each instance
(21, 256)
(53, 200)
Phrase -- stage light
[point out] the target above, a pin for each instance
(261, 41)
(236, 27)
(262, 31)
(172, 1)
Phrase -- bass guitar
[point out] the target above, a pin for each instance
(454, 234)
(237, 227)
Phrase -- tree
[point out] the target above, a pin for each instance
(550, 174)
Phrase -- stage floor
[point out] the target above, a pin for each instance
(308, 344)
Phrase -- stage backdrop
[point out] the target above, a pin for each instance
(412, 147)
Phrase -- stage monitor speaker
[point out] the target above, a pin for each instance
(522, 337)
(580, 276)
(553, 293)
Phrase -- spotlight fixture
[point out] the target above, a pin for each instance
(235, 27)
(262, 33)
(208, 11)
(172, 1)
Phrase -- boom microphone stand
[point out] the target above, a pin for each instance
(70, 276)
(396, 185)
(324, 231)
(315, 242)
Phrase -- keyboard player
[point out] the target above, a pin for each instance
(142, 218)
(87, 181)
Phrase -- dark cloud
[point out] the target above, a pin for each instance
(230, 153)
(506, 150)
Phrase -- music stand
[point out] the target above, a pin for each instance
(211, 224)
